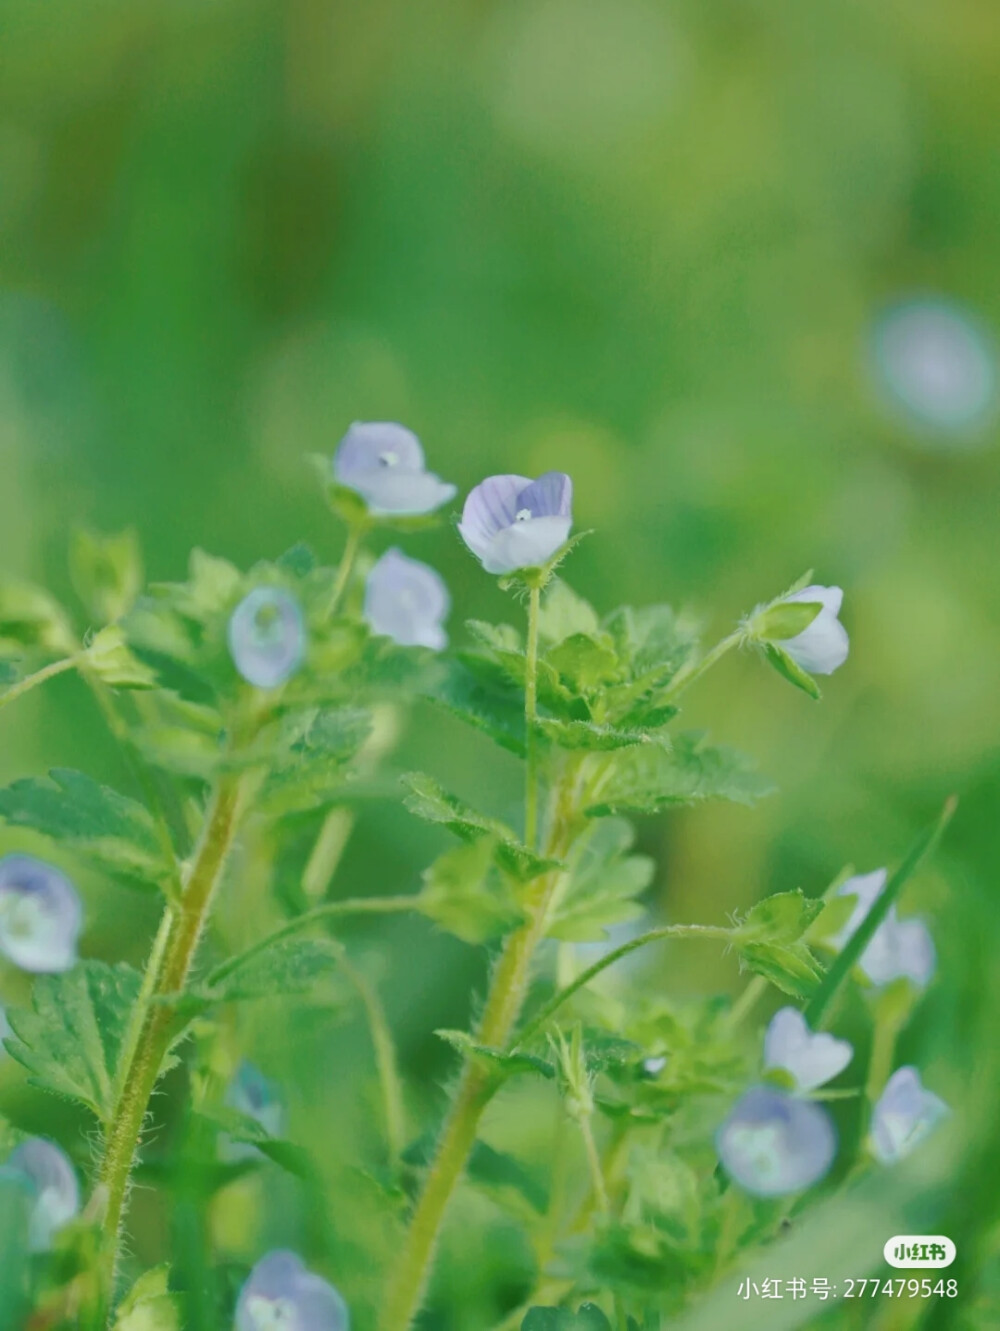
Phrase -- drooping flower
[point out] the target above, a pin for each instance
(812, 1060)
(40, 915)
(259, 1098)
(384, 463)
(52, 1185)
(773, 1144)
(267, 637)
(407, 601)
(282, 1295)
(511, 522)
(904, 1115)
(823, 645)
(898, 948)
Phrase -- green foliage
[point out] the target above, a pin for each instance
(107, 829)
(32, 621)
(771, 942)
(588, 1318)
(289, 966)
(465, 892)
(72, 1037)
(307, 758)
(149, 1305)
(110, 659)
(785, 619)
(791, 670)
(107, 572)
(603, 884)
(496, 707)
(498, 1062)
(650, 779)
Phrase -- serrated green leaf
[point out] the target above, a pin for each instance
(306, 760)
(770, 941)
(71, 1038)
(110, 830)
(657, 776)
(289, 966)
(497, 711)
(781, 918)
(149, 1305)
(585, 663)
(110, 658)
(790, 967)
(106, 572)
(499, 638)
(564, 613)
(791, 670)
(589, 735)
(603, 883)
(497, 1061)
(465, 893)
(588, 1318)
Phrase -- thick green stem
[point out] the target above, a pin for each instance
(39, 677)
(531, 719)
(157, 1029)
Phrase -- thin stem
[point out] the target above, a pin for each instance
(594, 1165)
(39, 677)
(348, 906)
(355, 535)
(609, 959)
(688, 674)
(748, 1000)
(530, 720)
(157, 1031)
(390, 1083)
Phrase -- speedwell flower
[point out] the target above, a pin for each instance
(511, 522)
(281, 1295)
(384, 463)
(898, 948)
(267, 637)
(904, 1115)
(811, 1060)
(52, 1185)
(407, 601)
(256, 1096)
(773, 1144)
(823, 645)
(40, 915)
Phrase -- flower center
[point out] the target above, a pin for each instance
(271, 1314)
(388, 459)
(523, 515)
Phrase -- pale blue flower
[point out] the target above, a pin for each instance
(259, 1098)
(938, 363)
(773, 1144)
(407, 601)
(511, 522)
(822, 646)
(384, 463)
(267, 637)
(898, 948)
(811, 1059)
(282, 1295)
(52, 1186)
(40, 915)
(904, 1115)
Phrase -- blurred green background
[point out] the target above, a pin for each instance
(649, 243)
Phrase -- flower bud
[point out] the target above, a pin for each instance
(407, 601)
(511, 522)
(52, 1185)
(282, 1295)
(773, 1144)
(40, 915)
(811, 1060)
(267, 637)
(821, 645)
(384, 463)
(904, 1115)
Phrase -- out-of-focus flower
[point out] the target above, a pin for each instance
(40, 915)
(904, 1115)
(511, 522)
(259, 1098)
(810, 1059)
(655, 1065)
(898, 948)
(773, 1144)
(823, 646)
(384, 463)
(267, 637)
(407, 601)
(936, 362)
(52, 1185)
(282, 1295)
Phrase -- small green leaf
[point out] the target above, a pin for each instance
(71, 1038)
(248, 1131)
(106, 572)
(465, 893)
(110, 658)
(111, 831)
(564, 613)
(289, 966)
(781, 918)
(791, 670)
(656, 777)
(306, 760)
(585, 664)
(497, 1061)
(790, 967)
(771, 943)
(603, 883)
(497, 711)
(32, 619)
(588, 735)
(785, 619)
(589, 1318)
(149, 1305)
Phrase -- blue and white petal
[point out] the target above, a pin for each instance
(823, 646)
(267, 637)
(52, 1186)
(510, 522)
(384, 463)
(905, 1114)
(811, 1059)
(899, 948)
(40, 915)
(259, 1098)
(407, 601)
(282, 1295)
(774, 1144)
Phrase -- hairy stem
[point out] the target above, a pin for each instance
(355, 535)
(530, 720)
(39, 677)
(594, 1165)
(157, 1030)
(688, 674)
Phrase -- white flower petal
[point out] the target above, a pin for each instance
(823, 646)
(402, 493)
(904, 1116)
(490, 508)
(407, 601)
(370, 446)
(526, 544)
(866, 887)
(811, 1059)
